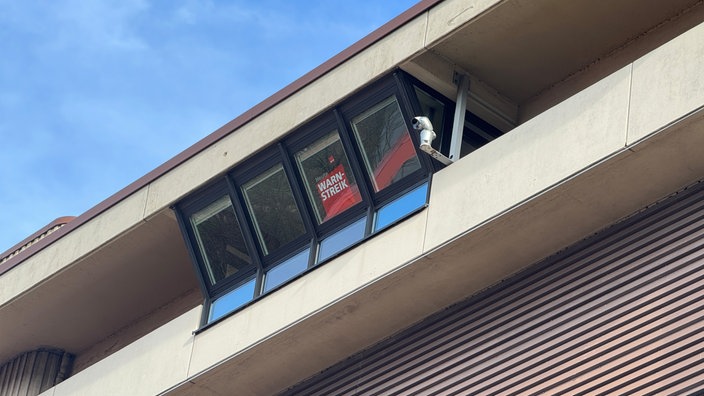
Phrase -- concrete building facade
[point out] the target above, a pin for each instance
(302, 244)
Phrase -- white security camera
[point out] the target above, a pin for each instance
(427, 135)
(419, 123)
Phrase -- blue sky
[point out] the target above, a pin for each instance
(96, 93)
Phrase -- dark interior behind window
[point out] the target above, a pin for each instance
(220, 240)
(273, 209)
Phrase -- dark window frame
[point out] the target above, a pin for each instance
(308, 135)
(187, 208)
(397, 84)
(371, 96)
(252, 169)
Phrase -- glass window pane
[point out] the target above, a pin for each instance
(220, 241)
(386, 145)
(434, 110)
(270, 201)
(286, 270)
(232, 300)
(401, 207)
(342, 239)
(327, 177)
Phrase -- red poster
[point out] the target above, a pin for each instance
(335, 192)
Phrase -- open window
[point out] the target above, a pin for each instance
(425, 101)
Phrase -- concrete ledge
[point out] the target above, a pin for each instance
(447, 16)
(145, 367)
(573, 135)
(73, 246)
(668, 83)
(558, 217)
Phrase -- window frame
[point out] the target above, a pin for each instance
(250, 170)
(338, 118)
(367, 99)
(187, 208)
(307, 136)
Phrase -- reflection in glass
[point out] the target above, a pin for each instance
(342, 239)
(434, 110)
(286, 270)
(270, 202)
(386, 145)
(327, 177)
(220, 240)
(232, 300)
(401, 207)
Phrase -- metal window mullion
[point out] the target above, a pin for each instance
(364, 183)
(289, 151)
(350, 146)
(247, 233)
(299, 197)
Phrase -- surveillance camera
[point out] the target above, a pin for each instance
(427, 135)
(425, 128)
(419, 123)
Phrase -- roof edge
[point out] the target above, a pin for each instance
(39, 235)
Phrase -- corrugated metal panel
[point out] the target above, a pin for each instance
(618, 314)
(33, 372)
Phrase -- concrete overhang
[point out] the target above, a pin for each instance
(104, 292)
(522, 48)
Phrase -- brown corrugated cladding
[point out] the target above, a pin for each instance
(228, 128)
(620, 313)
